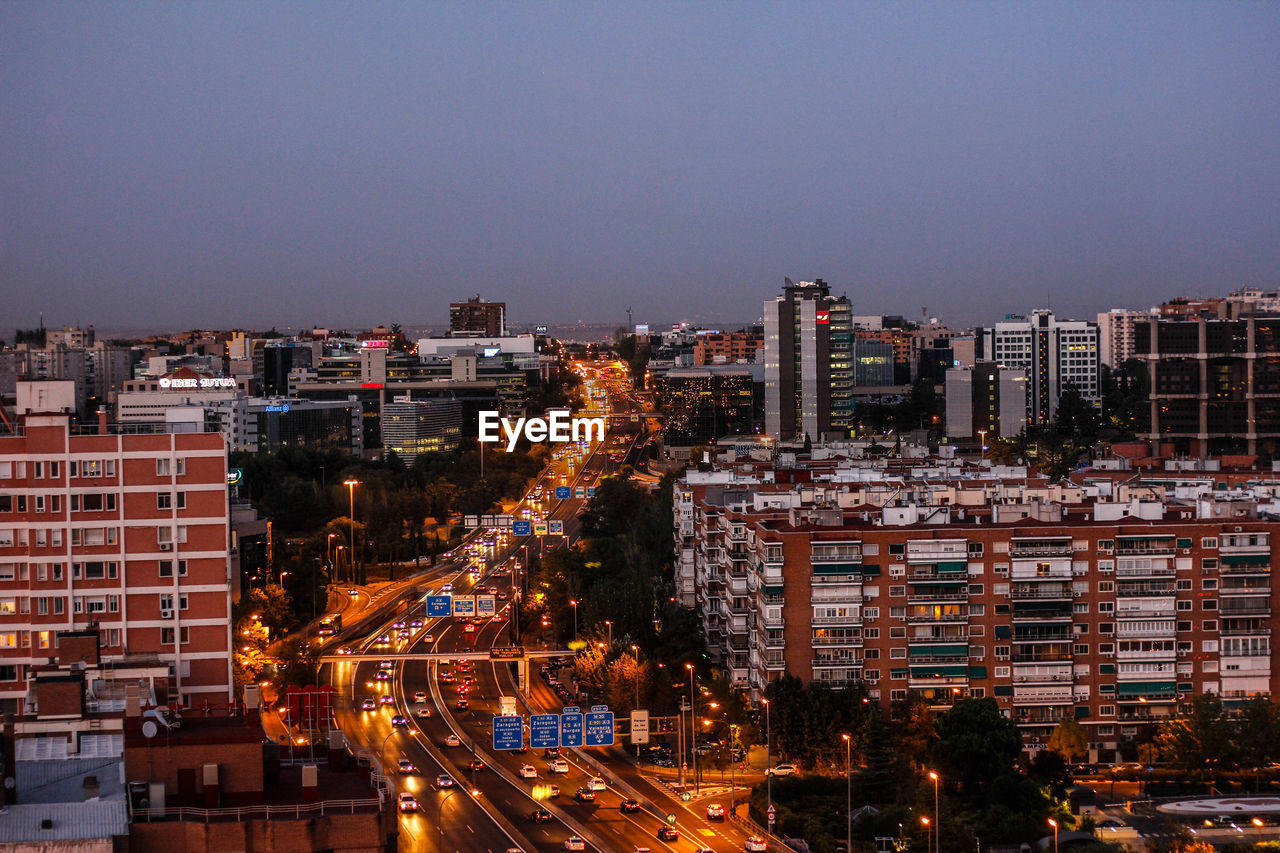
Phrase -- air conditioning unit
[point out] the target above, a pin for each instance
(166, 546)
(166, 614)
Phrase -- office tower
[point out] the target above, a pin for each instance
(986, 401)
(1054, 353)
(808, 352)
(411, 427)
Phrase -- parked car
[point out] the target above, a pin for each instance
(783, 770)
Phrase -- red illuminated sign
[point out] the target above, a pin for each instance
(370, 384)
(824, 318)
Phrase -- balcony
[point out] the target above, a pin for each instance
(1238, 606)
(828, 642)
(1043, 697)
(929, 598)
(852, 620)
(824, 596)
(1246, 589)
(1148, 549)
(1040, 549)
(1041, 719)
(1245, 631)
(1031, 657)
(1058, 592)
(1145, 572)
(844, 554)
(835, 664)
(937, 617)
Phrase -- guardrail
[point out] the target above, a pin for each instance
(243, 813)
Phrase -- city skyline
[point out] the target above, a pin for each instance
(173, 166)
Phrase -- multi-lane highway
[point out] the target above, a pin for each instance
(436, 713)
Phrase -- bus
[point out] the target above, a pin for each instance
(330, 625)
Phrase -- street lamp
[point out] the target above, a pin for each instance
(693, 732)
(574, 603)
(610, 624)
(1054, 824)
(635, 653)
(937, 820)
(768, 758)
(928, 834)
(848, 797)
(351, 501)
(982, 437)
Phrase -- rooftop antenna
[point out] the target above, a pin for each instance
(630, 327)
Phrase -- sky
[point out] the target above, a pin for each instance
(219, 164)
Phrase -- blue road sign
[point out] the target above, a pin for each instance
(562, 493)
(591, 491)
(485, 605)
(521, 528)
(544, 731)
(599, 726)
(571, 730)
(555, 528)
(508, 732)
(439, 605)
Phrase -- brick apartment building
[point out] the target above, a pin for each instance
(728, 348)
(1059, 603)
(127, 533)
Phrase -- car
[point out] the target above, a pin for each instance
(464, 666)
(382, 675)
(447, 554)
(405, 633)
(400, 721)
(428, 638)
(597, 784)
(388, 699)
(540, 816)
(469, 680)
(551, 752)
(783, 770)
(448, 587)
(405, 766)
(468, 628)
(715, 811)
(755, 844)
(462, 689)
(629, 806)
(386, 664)
(407, 802)
(416, 623)
(423, 713)
(444, 780)
(453, 740)
(574, 842)
(475, 764)
(447, 678)
(585, 795)
(462, 704)
(399, 625)
(558, 766)
(528, 771)
(345, 650)
(353, 592)
(384, 640)
(368, 704)
(666, 833)
(420, 697)
(1109, 824)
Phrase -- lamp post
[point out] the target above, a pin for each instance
(982, 437)
(1054, 824)
(848, 795)
(768, 758)
(351, 503)
(635, 653)
(609, 623)
(693, 732)
(937, 820)
(928, 834)
(574, 603)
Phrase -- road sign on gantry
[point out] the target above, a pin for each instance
(439, 605)
(486, 605)
(521, 528)
(464, 605)
(599, 728)
(508, 732)
(562, 493)
(540, 528)
(555, 528)
(639, 727)
(571, 729)
(544, 731)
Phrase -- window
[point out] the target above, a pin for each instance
(181, 498)
(1106, 710)
(897, 591)
(977, 692)
(1209, 604)
(59, 606)
(8, 571)
(162, 468)
(1080, 628)
(113, 637)
(1209, 542)
(1106, 628)
(1002, 652)
(1080, 607)
(1002, 671)
(870, 612)
(897, 695)
(1106, 648)
(977, 609)
(166, 636)
(1209, 583)
(1184, 648)
(872, 654)
(1080, 649)
(975, 549)
(977, 630)
(8, 672)
(897, 549)
(8, 639)
(39, 503)
(6, 503)
(871, 675)
(1208, 645)
(1184, 605)
(897, 613)
(898, 654)
(1105, 607)
(1209, 625)
(182, 601)
(871, 634)
(1209, 563)
(164, 500)
(181, 467)
(184, 634)
(899, 633)
(1184, 584)
(975, 589)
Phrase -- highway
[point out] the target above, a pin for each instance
(490, 808)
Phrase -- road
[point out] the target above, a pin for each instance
(490, 809)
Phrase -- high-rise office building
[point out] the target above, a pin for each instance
(478, 317)
(411, 427)
(1054, 353)
(808, 355)
(986, 401)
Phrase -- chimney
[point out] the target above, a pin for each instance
(102, 420)
(132, 704)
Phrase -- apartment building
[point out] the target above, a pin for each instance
(1058, 601)
(124, 533)
(728, 347)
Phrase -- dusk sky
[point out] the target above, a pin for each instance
(186, 164)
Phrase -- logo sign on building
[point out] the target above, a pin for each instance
(540, 528)
(544, 731)
(522, 528)
(508, 732)
(485, 605)
(599, 727)
(555, 528)
(562, 493)
(639, 727)
(439, 605)
(823, 318)
(571, 728)
(464, 605)
(471, 521)
(234, 476)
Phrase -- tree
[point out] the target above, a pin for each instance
(976, 743)
(1201, 740)
(1257, 732)
(1069, 739)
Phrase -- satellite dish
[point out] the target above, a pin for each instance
(149, 728)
